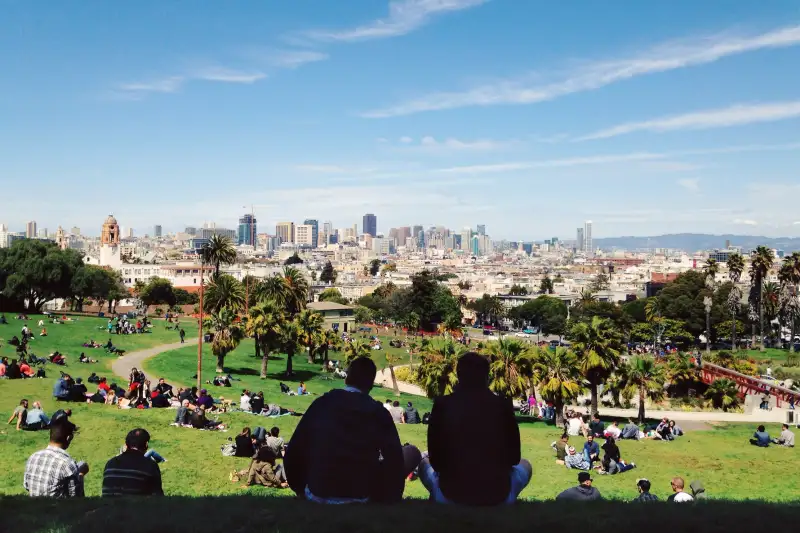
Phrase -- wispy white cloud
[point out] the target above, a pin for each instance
(551, 163)
(593, 75)
(690, 184)
(736, 115)
(164, 85)
(227, 75)
(745, 222)
(406, 140)
(404, 17)
(283, 58)
(429, 144)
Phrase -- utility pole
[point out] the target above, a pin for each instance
(200, 326)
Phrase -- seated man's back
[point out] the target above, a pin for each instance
(131, 473)
(346, 447)
(474, 444)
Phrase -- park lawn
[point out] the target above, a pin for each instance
(69, 337)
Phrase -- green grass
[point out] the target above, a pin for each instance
(246, 514)
(720, 457)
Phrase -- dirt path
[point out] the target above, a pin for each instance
(122, 365)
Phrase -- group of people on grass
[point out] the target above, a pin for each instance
(121, 325)
(263, 449)
(586, 491)
(53, 473)
(34, 418)
(401, 415)
(762, 439)
(574, 426)
(253, 402)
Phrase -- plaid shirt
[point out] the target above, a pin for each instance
(52, 473)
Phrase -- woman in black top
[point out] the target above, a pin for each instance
(257, 403)
(244, 444)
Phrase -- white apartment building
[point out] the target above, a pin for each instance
(304, 235)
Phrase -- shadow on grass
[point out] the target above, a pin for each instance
(284, 514)
(296, 377)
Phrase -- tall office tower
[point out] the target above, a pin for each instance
(304, 235)
(191, 231)
(327, 228)
(315, 232)
(75, 230)
(421, 239)
(370, 224)
(247, 230)
(466, 239)
(157, 231)
(579, 240)
(355, 231)
(403, 234)
(415, 232)
(130, 232)
(285, 231)
(587, 238)
(30, 230)
(481, 229)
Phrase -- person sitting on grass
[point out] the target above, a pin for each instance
(584, 492)
(205, 400)
(132, 473)
(786, 437)
(198, 420)
(20, 414)
(86, 360)
(576, 460)
(643, 486)
(596, 428)
(449, 472)
(77, 393)
(164, 388)
(43, 333)
(257, 403)
(52, 472)
(612, 460)
(275, 442)
(575, 425)
(411, 415)
(264, 472)
(245, 443)
(591, 450)
(301, 389)
(183, 414)
(397, 413)
(761, 438)
(26, 371)
(678, 495)
(111, 397)
(698, 490)
(58, 359)
(244, 400)
(367, 464)
(158, 400)
(560, 447)
(664, 431)
(630, 431)
(675, 429)
(61, 388)
(613, 431)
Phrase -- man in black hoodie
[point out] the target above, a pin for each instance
(463, 468)
(346, 448)
(583, 492)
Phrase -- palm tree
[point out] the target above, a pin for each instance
(264, 324)
(355, 349)
(735, 269)
(598, 345)
(329, 340)
(391, 360)
(680, 369)
(558, 376)
(436, 372)
(760, 264)
(617, 383)
(652, 313)
(723, 393)
(711, 270)
(272, 288)
(296, 290)
(510, 367)
(311, 324)
(772, 302)
(223, 291)
(290, 342)
(789, 276)
(645, 378)
(227, 334)
(219, 250)
(586, 297)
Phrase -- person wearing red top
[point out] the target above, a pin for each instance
(103, 385)
(26, 370)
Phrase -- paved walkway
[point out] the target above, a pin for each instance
(384, 378)
(121, 366)
(775, 415)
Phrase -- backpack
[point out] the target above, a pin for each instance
(40, 373)
(426, 418)
(228, 449)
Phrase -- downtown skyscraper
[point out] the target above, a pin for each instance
(369, 225)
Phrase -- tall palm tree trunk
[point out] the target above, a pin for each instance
(641, 405)
(394, 381)
(791, 338)
(593, 389)
(221, 363)
(708, 331)
(264, 364)
(258, 345)
(558, 405)
(733, 332)
(761, 320)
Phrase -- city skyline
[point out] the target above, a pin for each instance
(645, 118)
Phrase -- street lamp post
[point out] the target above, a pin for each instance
(200, 328)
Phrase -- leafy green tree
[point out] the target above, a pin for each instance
(510, 367)
(116, 292)
(332, 294)
(734, 302)
(600, 283)
(681, 371)
(311, 325)
(558, 375)
(518, 290)
(290, 343)
(646, 377)
(374, 267)
(328, 274)
(158, 291)
(489, 309)
(363, 314)
(219, 250)
(227, 333)
(91, 282)
(547, 313)
(184, 297)
(329, 340)
(356, 348)
(264, 325)
(223, 291)
(293, 259)
(546, 286)
(33, 272)
(598, 345)
(724, 394)
(273, 289)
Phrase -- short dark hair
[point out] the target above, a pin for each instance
(596, 416)
(785, 426)
(361, 374)
(23, 401)
(565, 435)
(61, 431)
(761, 428)
(246, 431)
(275, 431)
(137, 439)
(472, 370)
(396, 404)
(644, 484)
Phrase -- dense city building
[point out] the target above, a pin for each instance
(247, 230)
(370, 224)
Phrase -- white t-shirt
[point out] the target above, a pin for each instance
(613, 431)
(574, 427)
(683, 497)
(244, 403)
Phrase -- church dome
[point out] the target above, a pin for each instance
(111, 220)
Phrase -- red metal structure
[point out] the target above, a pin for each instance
(748, 384)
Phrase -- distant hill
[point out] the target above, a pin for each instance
(692, 242)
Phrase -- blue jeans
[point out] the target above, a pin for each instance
(155, 456)
(520, 477)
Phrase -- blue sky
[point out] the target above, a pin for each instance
(529, 117)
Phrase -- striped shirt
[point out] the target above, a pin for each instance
(131, 474)
(52, 473)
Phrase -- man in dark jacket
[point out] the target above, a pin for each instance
(596, 427)
(584, 492)
(131, 473)
(346, 448)
(461, 467)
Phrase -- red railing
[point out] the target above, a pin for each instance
(748, 384)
